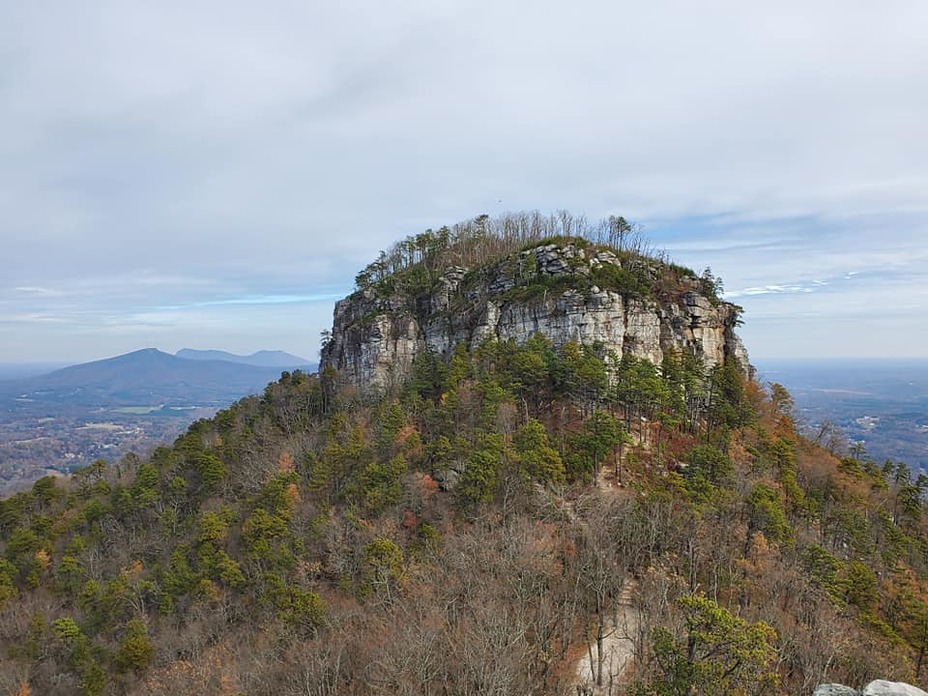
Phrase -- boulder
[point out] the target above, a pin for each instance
(834, 690)
(881, 687)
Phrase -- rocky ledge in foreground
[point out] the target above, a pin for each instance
(879, 687)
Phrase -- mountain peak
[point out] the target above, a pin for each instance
(261, 358)
(479, 281)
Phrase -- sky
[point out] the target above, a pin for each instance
(213, 174)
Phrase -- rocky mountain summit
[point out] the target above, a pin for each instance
(566, 289)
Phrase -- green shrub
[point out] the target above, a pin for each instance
(135, 651)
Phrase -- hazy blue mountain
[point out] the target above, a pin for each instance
(880, 403)
(71, 416)
(263, 358)
(142, 377)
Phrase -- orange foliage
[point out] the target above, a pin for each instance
(404, 434)
(427, 483)
(134, 569)
(293, 495)
(409, 519)
(285, 463)
(43, 559)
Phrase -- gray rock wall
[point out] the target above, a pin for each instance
(375, 339)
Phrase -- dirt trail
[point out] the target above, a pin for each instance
(618, 651)
(618, 644)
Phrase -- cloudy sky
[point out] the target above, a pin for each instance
(212, 174)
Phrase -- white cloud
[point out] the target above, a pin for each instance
(200, 154)
(768, 290)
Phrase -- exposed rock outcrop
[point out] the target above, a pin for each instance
(834, 690)
(879, 687)
(560, 291)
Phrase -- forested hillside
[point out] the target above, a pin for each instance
(474, 530)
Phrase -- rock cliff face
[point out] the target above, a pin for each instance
(559, 290)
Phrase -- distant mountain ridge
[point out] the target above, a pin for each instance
(261, 358)
(71, 416)
(143, 377)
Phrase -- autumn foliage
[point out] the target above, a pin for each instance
(473, 532)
